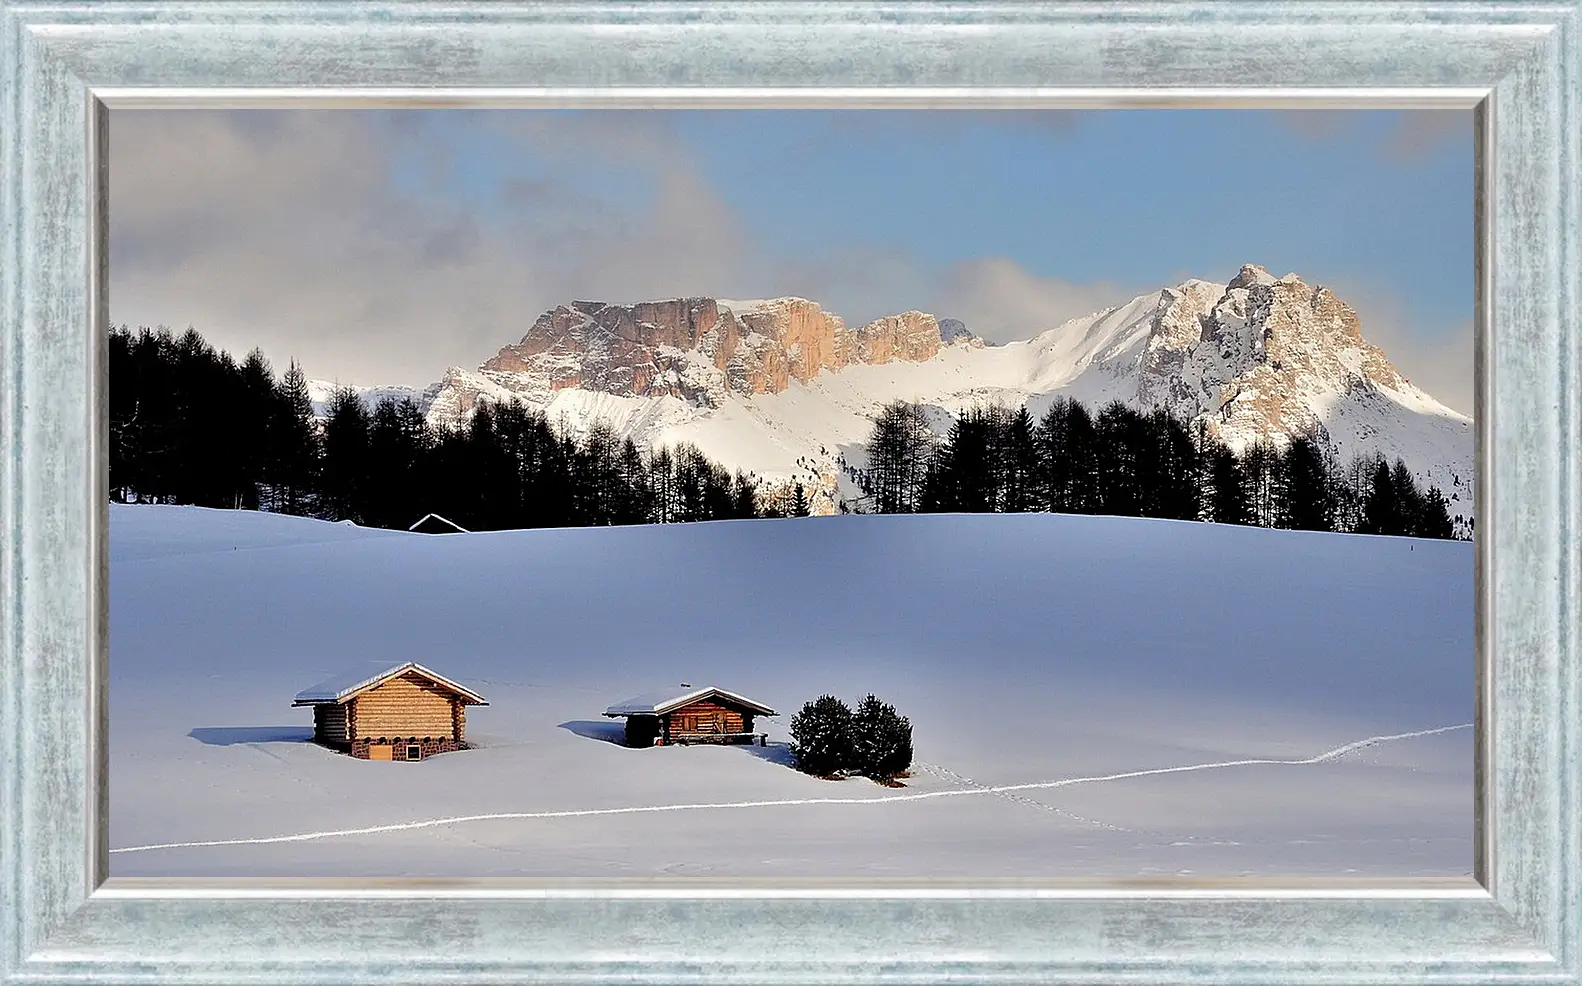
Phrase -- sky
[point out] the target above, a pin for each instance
(380, 247)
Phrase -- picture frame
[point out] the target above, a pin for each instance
(65, 65)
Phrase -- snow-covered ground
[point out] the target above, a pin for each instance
(1040, 653)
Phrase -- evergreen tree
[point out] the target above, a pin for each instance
(1382, 509)
(1020, 464)
(1352, 492)
(881, 740)
(1409, 498)
(744, 497)
(294, 444)
(1067, 472)
(1261, 466)
(822, 737)
(1175, 487)
(398, 443)
(256, 399)
(899, 449)
(1123, 459)
(964, 476)
(634, 506)
(1227, 494)
(1436, 519)
(122, 403)
(345, 474)
(799, 502)
(1303, 488)
(665, 490)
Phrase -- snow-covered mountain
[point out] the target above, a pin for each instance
(321, 392)
(783, 389)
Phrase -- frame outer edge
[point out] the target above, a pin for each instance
(11, 946)
(1534, 577)
(51, 278)
(54, 523)
(1569, 273)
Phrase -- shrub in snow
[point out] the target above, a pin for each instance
(822, 737)
(881, 740)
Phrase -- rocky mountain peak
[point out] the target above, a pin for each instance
(698, 350)
(1252, 357)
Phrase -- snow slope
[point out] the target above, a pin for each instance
(1028, 650)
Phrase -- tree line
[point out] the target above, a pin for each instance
(1124, 462)
(191, 425)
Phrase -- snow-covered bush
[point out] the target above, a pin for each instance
(881, 740)
(822, 737)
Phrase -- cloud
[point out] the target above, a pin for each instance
(1003, 302)
(1410, 136)
(329, 237)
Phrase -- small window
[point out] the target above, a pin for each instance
(414, 753)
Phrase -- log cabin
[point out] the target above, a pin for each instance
(383, 711)
(686, 714)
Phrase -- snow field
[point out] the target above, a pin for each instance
(1027, 650)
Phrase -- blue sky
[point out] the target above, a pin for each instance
(1012, 221)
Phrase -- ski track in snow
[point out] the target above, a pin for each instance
(1325, 757)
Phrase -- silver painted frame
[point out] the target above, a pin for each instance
(63, 63)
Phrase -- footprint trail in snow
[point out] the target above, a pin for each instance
(1325, 757)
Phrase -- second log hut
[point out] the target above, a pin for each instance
(687, 714)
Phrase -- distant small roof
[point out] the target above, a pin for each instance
(437, 519)
(365, 676)
(666, 699)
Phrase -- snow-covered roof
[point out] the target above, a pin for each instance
(664, 700)
(459, 529)
(361, 677)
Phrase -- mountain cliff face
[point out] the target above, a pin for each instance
(697, 350)
(784, 389)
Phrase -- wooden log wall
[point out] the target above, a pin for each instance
(330, 724)
(408, 705)
(706, 715)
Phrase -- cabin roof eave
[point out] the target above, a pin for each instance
(658, 704)
(337, 691)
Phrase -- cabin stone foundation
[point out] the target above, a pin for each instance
(396, 749)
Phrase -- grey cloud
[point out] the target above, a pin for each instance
(287, 231)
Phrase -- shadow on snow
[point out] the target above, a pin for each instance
(615, 732)
(608, 731)
(233, 735)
